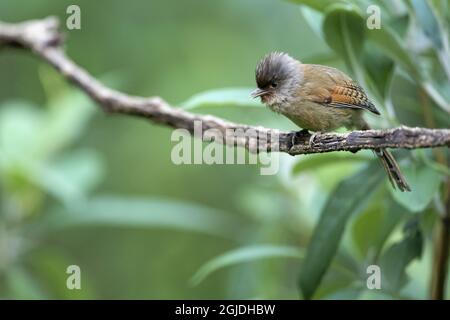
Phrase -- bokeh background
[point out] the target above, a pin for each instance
(79, 187)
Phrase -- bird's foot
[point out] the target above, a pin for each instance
(313, 136)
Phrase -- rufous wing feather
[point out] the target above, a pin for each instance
(350, 95)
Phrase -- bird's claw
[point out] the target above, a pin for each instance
(311, 139)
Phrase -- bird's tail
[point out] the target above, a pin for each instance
(389, 164)
(392, 169)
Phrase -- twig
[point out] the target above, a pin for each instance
(44, 40)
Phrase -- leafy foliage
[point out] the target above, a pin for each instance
(145, 213)
(324, 217)
(245, 254)
(375, 58)
(398, 256)
(350, 197)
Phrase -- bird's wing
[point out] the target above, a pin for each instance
(350, 95)
(336, 89)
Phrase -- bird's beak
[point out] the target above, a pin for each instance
(258, 93)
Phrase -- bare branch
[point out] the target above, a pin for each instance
(44, 40)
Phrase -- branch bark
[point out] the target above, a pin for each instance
(43, 39)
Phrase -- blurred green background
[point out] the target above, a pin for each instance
(79, 187)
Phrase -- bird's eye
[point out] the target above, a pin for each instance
(273, 85)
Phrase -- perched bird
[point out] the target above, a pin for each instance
(320, 99)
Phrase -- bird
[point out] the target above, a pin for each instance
(318, 98)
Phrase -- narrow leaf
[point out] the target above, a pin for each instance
(391, 45)
(397, 257)
(146, 213)
(344, 29)
(380, 69)
(428, 21)
(22, 285)
(244, 254)
(324, 159)
(424, 182)
(314, 19)
(319, 5)
(350, 197)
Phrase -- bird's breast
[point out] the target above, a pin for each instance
(316, 117)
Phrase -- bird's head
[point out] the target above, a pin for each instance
(278, 75)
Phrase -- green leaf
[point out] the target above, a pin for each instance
(392, 45)
(344, 28)
(394, 214)
(397, 257)
(441, 8)
(20, 124)
(244, 254)
(50, 265)
(314, 19)
(366, 228)
(350, 197)
(371, 229)
(319, 5)
(344, 293)
(424, 182)
(319, 161)
(400, 24)
(147, 213)
(67, 117)
(374, 295)
(82, 168)
(407, 106)
(380, 69)
(428, 21)
(427, 160)
(227, 97)
(21, 285)
(71, 177)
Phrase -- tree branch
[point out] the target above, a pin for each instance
(44, 40)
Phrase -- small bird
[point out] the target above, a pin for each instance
(320, 99)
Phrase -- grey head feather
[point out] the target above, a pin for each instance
(275, 67)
